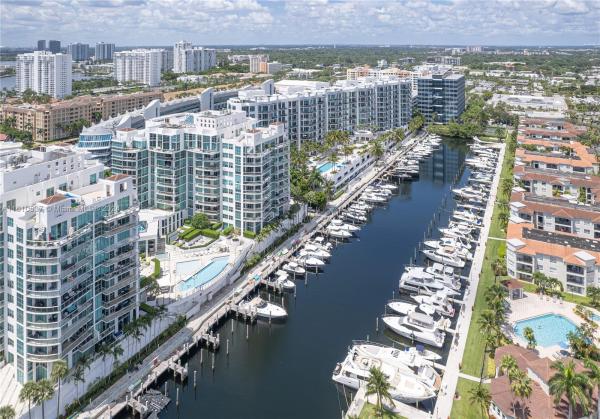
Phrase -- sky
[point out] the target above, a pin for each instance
(268, 22)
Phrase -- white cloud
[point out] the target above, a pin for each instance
(162, 22)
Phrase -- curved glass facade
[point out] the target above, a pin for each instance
(97, 144)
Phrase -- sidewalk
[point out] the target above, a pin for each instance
(445, 399)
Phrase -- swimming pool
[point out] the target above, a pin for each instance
(188, 267)
(549, 329)
(326, 167)
(206, 274)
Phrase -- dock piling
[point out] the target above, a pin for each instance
(194, 378)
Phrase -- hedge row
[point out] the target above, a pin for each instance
(227, 230)
(207, 232)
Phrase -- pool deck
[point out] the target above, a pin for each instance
(534, 305)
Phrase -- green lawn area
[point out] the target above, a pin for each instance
(463, 408)
(473, 358)
(570, 298)
(368, 412)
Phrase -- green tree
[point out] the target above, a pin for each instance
(59, 372)
(27, 394)
(376, 149)
(593, 373)
(509, 366)
(529, 337)
(499, 268)
(105, 350)
(44, 392)
(7, 412)
(200, 221)
(594, 295)
(78, 377)
(480, 396)
(567, 382)
(521, 387)
(117, 352)
(378, 384)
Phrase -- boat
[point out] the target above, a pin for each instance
(418, 327)
(439, 301)
(320, 241)
(419, 275)
(263, 309)
(311, 262)
(337, 223)
(294, 268)
(316, 251)
(354, 372)
(282, 280)
(402, 307)
(377, 199)
(444, 273)
(339, 233)
(447, 256)
(400, 359)
(449, 243)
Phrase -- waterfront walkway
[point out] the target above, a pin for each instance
(200, 320)
(445, 398)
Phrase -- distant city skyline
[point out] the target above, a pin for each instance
(284, 22)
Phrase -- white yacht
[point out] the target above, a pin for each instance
(311, 262)
(337, 223)
(320, 241)
(419, 327)
(467, 217)
(282, 280)
(420, 275)
(400, 359)
(445, 255)
(439, 301)
(402, 307)
(377, 199)
(354, 217)
(316, 251)
(338, 233)
(264, 309)
(294, 268)
(445, 273)
(354, 372)
(450, 243)
(420, 285)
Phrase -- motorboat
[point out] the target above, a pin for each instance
(449, 245)
(353, 217)
(337, 223)
(467, 217)
(449, 241)
(263, 309)
(294, 268)
(377, 199)
(402, 307)
(316, 251)
(439, 301)
(418, 275)
(388, 186)
(311, 262)
(418, 327)
(444, 273)
(338, 233)
(283, 281)
(400, 359)
(354, 372)
(320, 241)
(419, 285)
(446, 256)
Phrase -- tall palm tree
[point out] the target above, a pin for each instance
(529, 336)
(78, 377)
(59, 372)
(137, 334)
(104, 351)
(116, 352)
(593, 373)
(27, 394)
(575, 386)
(488, 322)
(509, 366)
(376, 149)
(44, 392)
(521, 387)
(499, 267)
(7, 412)
(378, 384)
(481, 397)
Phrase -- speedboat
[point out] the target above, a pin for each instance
(354, 217)
(338, 233)
(294, 268)
(419, 275)
(320, 241)
(445, 255)
(316, 251)
(400, 359)
(419, 327)
(402, 307)
(447, 244)
(282, 280)
(354, 372)
(466, 216)
(439, 301)
(311, 262)
(264, 309)
(377, 199)
(444, 273)
(388, 186)
(337, 223)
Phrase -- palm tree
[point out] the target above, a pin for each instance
(593, 372)
(104, 351)
(503, 217)
(499, 268)
(521, 387)
(7, 412)
(530, 337)
(116, 352)
(78, 377)
(44, 392)
(487, 322)
(378, 384)
(59, 372)
(507, 185)
(137, 333)
(376, 149)
(481, 397)
(27, 394)
(509, 366)
(575, 386)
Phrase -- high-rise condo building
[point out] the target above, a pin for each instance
(166, 60)
(441, 96)
(256, 61)
(190, 59)
(44, 72)
(69, 257)
(41, 45)
(216, 162)
(79, 52)
(311, 109)
(54, 46)
(138, 65)
(104, 52)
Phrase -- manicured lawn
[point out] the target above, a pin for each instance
(570, 298)
(473, 359)
(464, 408)
(368, 412)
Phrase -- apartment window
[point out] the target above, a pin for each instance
(9, 222)
(19, 235)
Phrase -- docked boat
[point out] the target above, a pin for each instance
(337, 223)
(264, 309)
(376, 199)
(419, 275)
(354, 372)
(283, 281)
(446, 256)
(439, 301)
(316, 251)
(402, 307)
(294, 268)
(338, 233)
(311, 262)
(418, 327)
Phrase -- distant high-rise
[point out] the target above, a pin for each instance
(138, 65)
(256, 61)
(104, 52)
(54, 46)
(44, 72)
(167, 60)
(190, 59)
(441, 96)
(79, 52)
(41, 45)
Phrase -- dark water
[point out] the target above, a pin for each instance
(284, 370)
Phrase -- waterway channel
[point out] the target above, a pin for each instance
(284, 370)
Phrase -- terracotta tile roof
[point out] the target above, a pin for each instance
(53, 199)
(539, 405)
(585, 158)
(553, 206)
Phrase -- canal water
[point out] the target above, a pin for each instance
(284, 370)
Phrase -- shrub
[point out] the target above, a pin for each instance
(216, 226)
(200, 221)
(227, 230)
(249, 234)
(191, 234)
(156, 272)
(207, 232)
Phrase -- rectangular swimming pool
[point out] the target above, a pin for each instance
(549, 329)
(326, 167)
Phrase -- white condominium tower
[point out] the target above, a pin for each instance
(190, 59)
(44, 72)
(311, 109)
(138, 65)
(68, 260)
(215, 162)
(104, 52)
